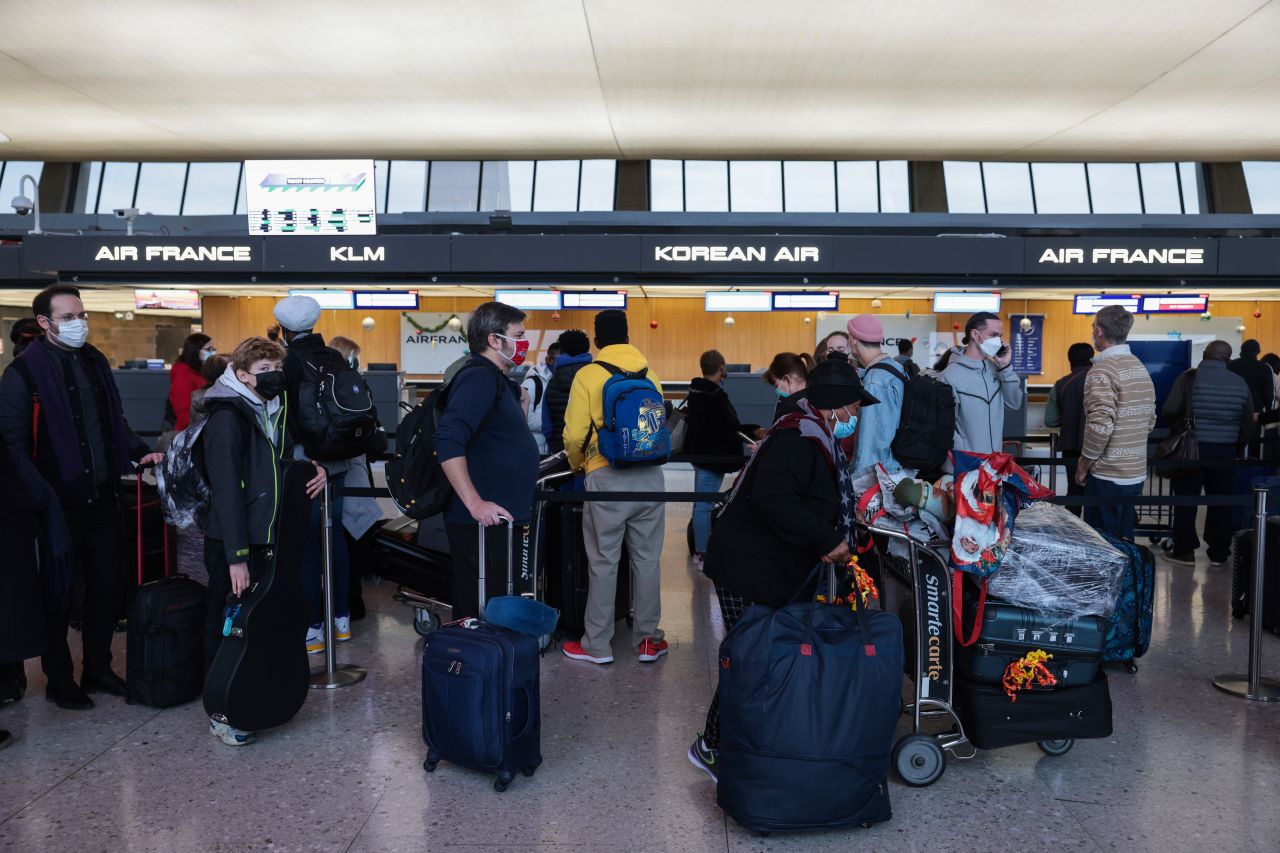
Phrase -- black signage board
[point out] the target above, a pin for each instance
(1249, 256)
(948, 255)
(683, 254)
(11, 263)
(401, 253)
(114, 255)
(545, 253)
(1121, 256)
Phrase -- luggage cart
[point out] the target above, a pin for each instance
(919, 588)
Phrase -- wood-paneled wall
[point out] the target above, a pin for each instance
(685, 330)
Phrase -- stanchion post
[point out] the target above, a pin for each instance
(331, 675)
(1254, 686)
(1053, 462)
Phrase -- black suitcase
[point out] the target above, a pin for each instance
(569, 574)
(1010, 632)
(1242, 576)
(991, 720)
(158, 542)
(164, 662)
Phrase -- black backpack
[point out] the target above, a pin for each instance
(335, 410)
(927, 428)
(417, 483)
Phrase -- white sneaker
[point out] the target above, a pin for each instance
(315, 640)
(229, 735)
(342, 628)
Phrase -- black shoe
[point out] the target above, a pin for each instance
(68, 697)
(108, 682)
(6, 739)
(1186, 558)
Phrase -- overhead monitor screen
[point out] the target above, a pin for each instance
(310, 197)
(1092, 303)
(595, 299)
(168, 300)
(330, 300)
(965, 303)
(392, 300)
(529, 300)
(1197, 304)
(738, 300)
(805, 301)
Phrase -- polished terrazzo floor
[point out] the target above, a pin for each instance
(1188, 768)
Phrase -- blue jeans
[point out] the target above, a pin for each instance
(313, 557)
(704, 481)
(1116, 520)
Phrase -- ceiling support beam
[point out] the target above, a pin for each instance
(1226, 189)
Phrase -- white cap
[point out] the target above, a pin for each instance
(298, 313)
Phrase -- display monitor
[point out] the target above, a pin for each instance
(530, 300)
(739, 300)
(330, 300)
(1092, 303)
(946, 302)
(309, 197)
(167, 300)
(391, 300)
(1180, 304)
(806, 301)
(595, 299)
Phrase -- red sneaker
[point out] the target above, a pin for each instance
(651, 649)
(574, 650)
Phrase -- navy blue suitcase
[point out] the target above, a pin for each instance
(1009, 632)
(1129, 634)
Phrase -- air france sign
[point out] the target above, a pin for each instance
(1121, 256)
(125, 253)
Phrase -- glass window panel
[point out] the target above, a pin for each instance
(118, 180)
(91, 186)
(160, 188)
(666, 186)
(1114, 187)
(211, 189)
(1263, 181)
(964, 187)
(12, 179)
(495, 185)
(380, 184)
(755, 186)
(857, 187)
(1060, 188)
(455, 185)
(895, 187)
(1190, 187)
(1008, 187)
(407, 186)
(555, 186)
(706, 185)
(597, 184)
(1160, 188)
(810, 185)
(520, 173)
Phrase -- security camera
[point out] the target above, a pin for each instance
(129, 213)
(22, 205)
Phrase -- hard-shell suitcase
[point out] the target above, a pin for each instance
(164, 663)
(157, 552)
(481, 703)
(1009, 632)
(1242, 557)
(569, 573)
(991, 720)
(1129, 634)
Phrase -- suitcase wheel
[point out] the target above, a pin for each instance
(1130, 667)
(430, 764)
(919, 760)
(1056, 747)
(529, 771)
(501, 783)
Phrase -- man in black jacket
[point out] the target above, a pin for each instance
(82, 447)
(1261, 381)
(244, 444)
(713, 429)
(1066, 413)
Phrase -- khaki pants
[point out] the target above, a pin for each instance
(605, 527)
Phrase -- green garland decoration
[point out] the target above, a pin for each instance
(430, 331)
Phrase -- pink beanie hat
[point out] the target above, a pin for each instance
(867, 328)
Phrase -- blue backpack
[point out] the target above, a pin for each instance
(634, 432)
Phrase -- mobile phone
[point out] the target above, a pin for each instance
(1003, 351)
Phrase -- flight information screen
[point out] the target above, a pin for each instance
(310, 197)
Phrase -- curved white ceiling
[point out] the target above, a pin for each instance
(1149, 79)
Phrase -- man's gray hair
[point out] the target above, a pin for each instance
(1114, 322)
(491, 318)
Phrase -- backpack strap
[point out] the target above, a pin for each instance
(884, 365)
(537, 389)
(957, 609)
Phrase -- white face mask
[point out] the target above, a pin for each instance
(206, 354)
(991, 346)
(72, 333)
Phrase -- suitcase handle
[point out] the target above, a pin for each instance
(511, 528)
(138, 473)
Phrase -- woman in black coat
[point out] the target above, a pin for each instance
(784, 515)
(788, 373)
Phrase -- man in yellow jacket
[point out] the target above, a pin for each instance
(605, 524)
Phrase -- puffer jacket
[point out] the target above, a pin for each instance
(983, 392)
(1221, 404)
(556, 398)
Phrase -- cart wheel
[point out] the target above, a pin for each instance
(424, 621)
(529, 771)
(919, 759)
(1056, 747)
(500, 785)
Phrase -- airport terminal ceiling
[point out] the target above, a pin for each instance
(999, 80)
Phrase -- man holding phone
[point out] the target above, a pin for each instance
(984, 383)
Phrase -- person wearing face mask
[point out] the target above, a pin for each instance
(834, 345)
(245, 443)
(788, 374)
(885, 379)
(786, 513)
(486, 450)
(185, 378)
(82, 446)
(980, 373)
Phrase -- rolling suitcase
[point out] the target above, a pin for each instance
(569, 573)
(481, 703)
(1129, 633)
(1242, 576)
(156, 550)
(1009, 632)
(164, 663)
(991, 720)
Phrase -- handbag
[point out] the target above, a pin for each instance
(1181, 445)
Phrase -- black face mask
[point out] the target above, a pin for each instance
(270, 384)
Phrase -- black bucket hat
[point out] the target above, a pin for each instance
(834, 383)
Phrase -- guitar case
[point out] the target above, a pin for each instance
(260, 676)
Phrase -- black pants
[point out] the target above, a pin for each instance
(1217, 520)
(219, 571)
(95, 532)
(464, 545)
(731, 609)
(1070, 458)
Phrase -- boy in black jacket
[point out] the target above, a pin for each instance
(713, 431)
(244, 445)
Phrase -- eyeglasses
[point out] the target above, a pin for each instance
(67, 318)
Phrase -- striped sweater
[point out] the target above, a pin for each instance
(1120, 412)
